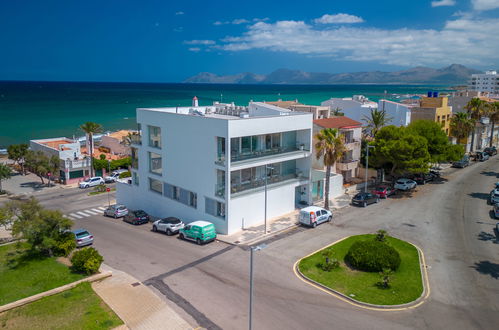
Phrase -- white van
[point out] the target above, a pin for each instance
(313, 216)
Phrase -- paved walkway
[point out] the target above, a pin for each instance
(275, 226)
(136, 304)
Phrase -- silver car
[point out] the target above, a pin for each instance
(494, 196)
(169, 225)
(83, 237)
(91, 182)
(116, 211)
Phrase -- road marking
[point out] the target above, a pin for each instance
(75, 216)
(92, 212)
(102, 208)
(83, 214)
(98, 211)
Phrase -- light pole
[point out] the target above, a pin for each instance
(267, 167)
(252, 249)
(367, 164)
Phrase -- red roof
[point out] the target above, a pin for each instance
(337, 122)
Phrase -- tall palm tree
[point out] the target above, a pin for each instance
(5, 173)
(376, 120)
(91, 128)
(461, 125)
(475, 108)
(330, 146)
(494, 117)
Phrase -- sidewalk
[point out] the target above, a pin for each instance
(136, 304)
(275, 226)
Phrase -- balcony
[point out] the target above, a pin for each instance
(220, 190)
(220, 160)
(136, 139)
(267, 152)
(352, 144)
(260, 182)
(346, 165)
(77, 164)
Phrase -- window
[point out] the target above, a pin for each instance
(215, 208)
(220, 148)
(193, 199)
(155, 136)
(155, 163)
(181, 195)
(155, 185)
(176, 193)
(135, 158)
(135, 178)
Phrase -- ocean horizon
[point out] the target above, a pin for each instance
(40, 109)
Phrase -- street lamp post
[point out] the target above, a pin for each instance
(367, 165)
(252, 249)
(267, 167)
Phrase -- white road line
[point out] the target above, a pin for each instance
(102, 208)
(98, 211)
(75, 216)
(92, 212)
(83, 214)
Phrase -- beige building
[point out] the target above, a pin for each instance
(116, 143)
(318, 111)
(435, 109)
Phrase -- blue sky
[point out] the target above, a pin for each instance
(161, 41)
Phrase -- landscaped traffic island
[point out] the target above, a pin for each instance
(375, 269)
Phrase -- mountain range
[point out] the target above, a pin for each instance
(452, 74)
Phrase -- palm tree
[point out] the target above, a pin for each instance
(90, 128)
(330, 146)
(461, 125)
(5, 173)
(337, 112)
(494, 117)
(475, 108)
(376, 120)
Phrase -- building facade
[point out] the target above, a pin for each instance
(485, 82)
(398, 113)
(434, 108)
(116, 143)
(356, 107)
(214, 162)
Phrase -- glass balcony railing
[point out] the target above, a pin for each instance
(220, 190)
(136, 139)
(220, 160)
(260, 182)
(267, 152)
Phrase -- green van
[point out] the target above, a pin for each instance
(198, 231)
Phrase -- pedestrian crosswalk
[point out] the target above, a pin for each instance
(85, 213)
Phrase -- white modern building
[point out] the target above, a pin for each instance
(485, 82)
(399, 113)
(214, 162)
(355, 107)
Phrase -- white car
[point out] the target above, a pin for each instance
(91, 182)
(114, 176)
(405, 184)
(494, 196)
(313, 216)
(169, 225)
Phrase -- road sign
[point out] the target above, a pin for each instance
(108, 189)
(49, 174)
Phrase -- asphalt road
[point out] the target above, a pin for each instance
(208, 285)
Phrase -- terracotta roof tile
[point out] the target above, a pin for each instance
(337, 122)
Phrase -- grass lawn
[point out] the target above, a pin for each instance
(78, 308)
(22, 277)
(406, 284)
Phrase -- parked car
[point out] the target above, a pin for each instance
(465, 161)
(91, 182)
(136, 217)
(422, 178)
(314, 215)
(496, 211)
(491, 151)
(405, 184)
(83, 237)
(114, 176)
(116, 211)
(384, 191)
(482, 156)
(169, 226)
(494, 196)
(198, 231)
(364, 199)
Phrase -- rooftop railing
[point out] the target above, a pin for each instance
(267, 152)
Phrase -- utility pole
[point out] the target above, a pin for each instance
(265, 223)
(367, 165)
(252, 249)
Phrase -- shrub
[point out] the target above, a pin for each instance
(126, 174)
(372, 256)
(65, 245)
(385, 280)
(100, 188)
(329, 263)
(381, 235)
(87, 260)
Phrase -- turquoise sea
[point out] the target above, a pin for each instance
(33, 110)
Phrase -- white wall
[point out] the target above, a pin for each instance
(400, 113)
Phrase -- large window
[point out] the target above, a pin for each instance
(181, 195)
(135, 158)
(215, 208)
(220, 149)
(135, 178)
(155, 163)
(154, 136)
(155, 185)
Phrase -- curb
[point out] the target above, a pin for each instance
(260, 238)
(60, 289)
(384, 308)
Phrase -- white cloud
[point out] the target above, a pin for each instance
(238, 21)
(441, 3)
(199, 42)
(194, 49)
(179, 13)
(338, 19)
(461, 40)
(485, 4)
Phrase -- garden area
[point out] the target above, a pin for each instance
(373, 268)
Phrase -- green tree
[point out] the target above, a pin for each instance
(475, 108)
(91, 128)
(375, 121)
(461, 125)
(40, 164)
(45, 231)
(494, 117)
(17, 153)
(330, 146)
(402, 150)
(337, 112)
(5, 173)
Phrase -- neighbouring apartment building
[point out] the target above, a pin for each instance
(116, 142)
(434, 108)
(485, 82)
(398, 113)
(213, 163)
(74, 166)
(356, 107)
(318, 111)
(351, 129)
